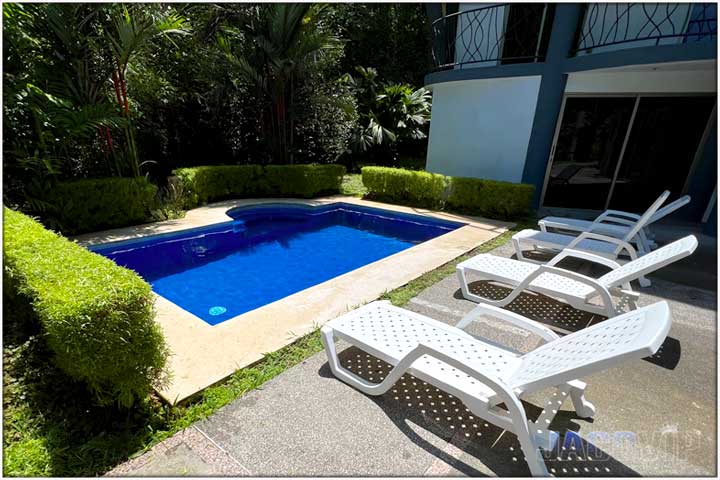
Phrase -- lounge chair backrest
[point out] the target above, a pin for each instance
(670, 208)
(645, 219)
(650, 262)
(636, 334)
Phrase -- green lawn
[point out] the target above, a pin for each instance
(352, 185)
(51, 428)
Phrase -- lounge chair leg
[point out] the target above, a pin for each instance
(642, 280)
(465, 288)
(518, 250)
(583, 408)
(369, 388)
(533, 457)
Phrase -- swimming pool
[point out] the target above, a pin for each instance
(268, 252)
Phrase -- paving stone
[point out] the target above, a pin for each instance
(188, 453)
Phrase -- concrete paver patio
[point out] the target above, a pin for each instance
(654, 417)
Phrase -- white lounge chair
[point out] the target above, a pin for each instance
(615, 223)
(604, 245)
(484, 375)
(612, 290)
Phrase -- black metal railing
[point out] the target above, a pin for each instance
(496, 34)
(642, 24)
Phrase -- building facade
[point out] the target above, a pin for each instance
(597, 105)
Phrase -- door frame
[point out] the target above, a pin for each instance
(638, 97)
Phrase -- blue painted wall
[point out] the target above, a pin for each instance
(704, 178)
(554, 72)
(552, 87)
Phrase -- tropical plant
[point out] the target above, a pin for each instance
(277, 47)
(63, 96)
(128, 33)
(389, 114)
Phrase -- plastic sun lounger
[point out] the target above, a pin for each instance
(604, 245)
(613, 289)
(484, 375)
(615, 223)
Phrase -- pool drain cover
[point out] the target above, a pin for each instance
(217, 310)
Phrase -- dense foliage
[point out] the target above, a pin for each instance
(393, 38)
(96, 317)
(392, 120)
(89, 205)
(98, 90)
(209, 183)
(489, 198)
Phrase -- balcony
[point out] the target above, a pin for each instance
(499, 34)
(608, 27)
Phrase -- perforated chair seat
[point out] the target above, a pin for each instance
(577, 225)
(513, 272)
(558, 241)
(389, 333)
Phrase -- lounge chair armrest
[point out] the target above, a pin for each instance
(622, 244)
(600, 290)
(510, 317)
(590, 257)
(610, 220)
(507, 395)
(617, 213)
(517, 420)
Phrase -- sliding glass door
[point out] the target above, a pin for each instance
(622, 151)
(587, 151)
(661, 148)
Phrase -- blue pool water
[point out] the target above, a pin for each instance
(267, 253)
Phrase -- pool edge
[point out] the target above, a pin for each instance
(203, 355)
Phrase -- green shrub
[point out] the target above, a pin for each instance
(96, 204)
(411, 187)
(487, 198)
(96, 317)
(209, 183)
(305, 181)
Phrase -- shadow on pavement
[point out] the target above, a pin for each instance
(473, 441)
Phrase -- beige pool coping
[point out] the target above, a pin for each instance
(202, 355)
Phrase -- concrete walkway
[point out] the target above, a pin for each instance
(654, 417)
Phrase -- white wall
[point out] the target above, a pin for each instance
(481, 128)
(648, 81)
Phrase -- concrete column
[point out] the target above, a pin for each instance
(552, 87)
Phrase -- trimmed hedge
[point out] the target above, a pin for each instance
(422, 189)
(89, 205)
(209, 183)
(96, 317)
(488, 198)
